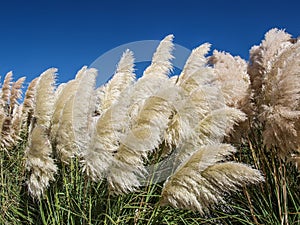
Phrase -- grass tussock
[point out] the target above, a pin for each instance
(217, 144)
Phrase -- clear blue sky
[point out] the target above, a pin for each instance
(36, 35)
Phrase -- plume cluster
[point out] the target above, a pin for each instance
(188, 115)
(179, 125)
(10, 112)
(274, 70)
(234, 81)
(39, 150)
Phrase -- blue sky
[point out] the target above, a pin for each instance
(36, 35)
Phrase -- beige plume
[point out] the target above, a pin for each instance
(6, 91)
(143, 138)
(45, 97)
(84, 106)
(39, 162)
(202, 180)
(122, 79)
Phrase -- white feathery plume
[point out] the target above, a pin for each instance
(6, 91)
(28, 104)
(210, 129)
(154, 77)
(179, 127)
(195, 71)
(67, 91)
(280, 105)
(110, 128)
(39, 161)
(190, 111)
(29, 99)
(9, 134)
(276, 41)
(196, 60)
(84, 103)
(193, 185)
(99, 155)
(232, 77)
(144, 137)
(62, 95)
(39, 149)
(58, 91)
(6, 140)
(65, 114)
(275, 79)
(10, 93)
(231, 175)
(123, 77)
(263, 56)
(217, 124)
(113, 121)
(64, 134)
(57, 110)
(16, 124)
(81, 73)
(234, 82)
(129, 103)
(161, 61)
(16, 92)
(202, 95)
(45, 97)
(285, 75)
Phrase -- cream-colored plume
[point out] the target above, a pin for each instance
(145, 135)
(69, 117)
(195, 72)
(64, 135)
(16, 93)
(263, 56)
(68, 90)
(192, 78)
(39, 150)
(202, 180)
(62, 95)
(39, 162)
(154, 77)
(6, 90)
(232, 77)
(110, 129)
(10, 117)
(120, 117)
(83, 108)
(161, 61)
(122, 79)
(110, 125)
(29, 99)
(274, 70)
(45, 97)
(203, 95)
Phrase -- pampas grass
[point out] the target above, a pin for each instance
(122, 79)
(201, 180)
(276, 86)
(10, 112)
(39, 162)
(157, 150)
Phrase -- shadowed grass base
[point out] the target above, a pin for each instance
(74, 199)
